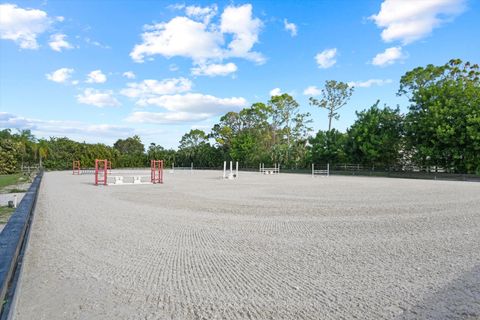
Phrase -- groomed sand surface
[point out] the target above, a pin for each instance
(261, 247)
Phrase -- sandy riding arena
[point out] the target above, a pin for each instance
(259, 247)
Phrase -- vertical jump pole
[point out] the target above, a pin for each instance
(161, 172)
(152, 172)
(96, 172)
(105, 171)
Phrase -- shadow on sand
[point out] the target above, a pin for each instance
(459, 300)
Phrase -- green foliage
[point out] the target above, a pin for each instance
(195, 148)
(443, 125)
(9, 151)
(376, 136)
(328, 147)
(290, 130)
(335, 95)
(132, 145)
(10, 179)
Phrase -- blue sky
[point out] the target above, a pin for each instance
(97, 71)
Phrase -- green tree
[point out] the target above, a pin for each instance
(334, 96)
(289, 126)
(443, 123)
(131, 145)
(245, 136)
(8, 152)
(43, 150)
(328, 147)
(376, 136)
(193, 148)
(26, 141)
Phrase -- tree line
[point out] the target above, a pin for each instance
(441, 128)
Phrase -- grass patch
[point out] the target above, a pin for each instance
(5, 213)
(11, 179)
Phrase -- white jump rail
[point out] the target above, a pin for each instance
(274, 170)
(321, 172)
(230, 175)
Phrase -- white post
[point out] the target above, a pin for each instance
(278, 170)
(14, 200)
(236, 169)
(328, 169)
(224, 169)
(313, 170)
(191, 167)
(231, 170)
(260, 167)
(173, 166)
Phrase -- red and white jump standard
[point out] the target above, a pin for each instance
(156, 171)
(76, 167)
(101, 171)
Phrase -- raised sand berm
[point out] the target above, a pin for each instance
(260, 247)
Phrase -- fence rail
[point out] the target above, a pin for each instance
(13, 240)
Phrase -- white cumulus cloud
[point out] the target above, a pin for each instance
(388, 57)
(411, 20)
(290, 27)
(180, 36)
(196, 103)
(96, 76)
(312, 91)
(58, 42)
(203, 13)
(129, 75)
(275, 92)
(61, 75)
(98, 98)
(22, 25)
(166, 117)
(203, 41)
(152, 88)
(245, 29)
(369, 83)
(326, 58)
(213, 69)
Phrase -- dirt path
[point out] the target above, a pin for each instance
(261, 247)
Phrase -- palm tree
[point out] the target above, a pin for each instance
(43, 150)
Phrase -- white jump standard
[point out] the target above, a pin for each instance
(231, 175)
(321, 172)
(274, 170)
